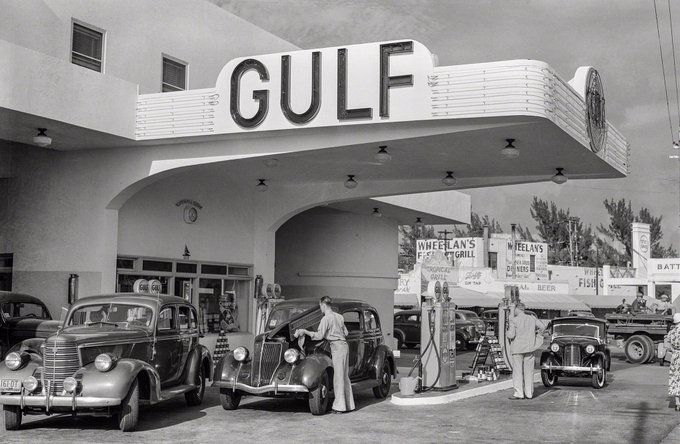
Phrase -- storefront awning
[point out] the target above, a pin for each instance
(406, 300)
(608, 301)
(464, 298)
(547, 301)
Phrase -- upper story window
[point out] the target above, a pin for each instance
(87, 49)
(174, 75)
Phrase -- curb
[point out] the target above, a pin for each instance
(456, 395)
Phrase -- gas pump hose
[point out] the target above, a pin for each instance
(420, 358)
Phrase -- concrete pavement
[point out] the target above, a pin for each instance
(633, 408)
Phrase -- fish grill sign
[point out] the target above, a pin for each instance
(353, 84)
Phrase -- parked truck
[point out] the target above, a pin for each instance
(640, 332)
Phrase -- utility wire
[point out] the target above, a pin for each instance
(675, 69)
(663, 71)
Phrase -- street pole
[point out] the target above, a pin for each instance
(571, 247)
(514, 250)
(597, 268)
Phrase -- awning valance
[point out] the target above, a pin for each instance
(463, 297)
(406, 300)
(548, 301)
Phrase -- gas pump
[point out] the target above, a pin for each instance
(505, 311)
(437, 340)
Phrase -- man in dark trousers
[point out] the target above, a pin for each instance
(526, 335)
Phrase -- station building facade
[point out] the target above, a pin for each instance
(189, 145)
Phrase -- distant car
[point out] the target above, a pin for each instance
(23, 317)
(582, 313)
(469, 328)
(280, 366)
(114, 353)
(578, 348)
(492, 315)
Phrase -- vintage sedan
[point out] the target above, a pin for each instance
(469, 329)
(282, 366)
(113, 353)
(23, 317)
(578, 348)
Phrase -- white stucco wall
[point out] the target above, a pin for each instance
(327, 252)
(151, 224)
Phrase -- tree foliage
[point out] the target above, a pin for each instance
(621, 217)
(476, 226)
(408, 234)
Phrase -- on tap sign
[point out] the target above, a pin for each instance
(464, 251)
(373, 82)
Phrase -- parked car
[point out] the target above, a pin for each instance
(282, 366)
(490, 316)
(23, 317)
(113, 353)
(469, 328)
(578, 348)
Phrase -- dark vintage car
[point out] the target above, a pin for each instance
(114, 353)
(23, 317)
(578, 348)
(581, 313)
(279, 366)
(469, 328)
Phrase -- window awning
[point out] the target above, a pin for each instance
(463, 297)
(406, 300)
(608, 301)
(547, 301)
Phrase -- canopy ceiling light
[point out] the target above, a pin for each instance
(382, 155)
(42, 140)
(449, 180)
(510, 151)
(350, 182)
(262, 186)
(559, 178)
(376, 212)
(419, 222)
(676, 145)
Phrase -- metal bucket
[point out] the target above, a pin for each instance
(407, 385)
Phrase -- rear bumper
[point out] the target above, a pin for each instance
(49, 401)
(571, 368)
(263, 390)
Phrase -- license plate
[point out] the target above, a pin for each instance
(10, 385)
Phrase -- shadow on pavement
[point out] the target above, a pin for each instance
(289, 405)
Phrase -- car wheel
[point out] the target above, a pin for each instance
(549, 378)
(651, 347)
(636, 349)
(195, 397)
(318, 398)
(599, 378)
(12, 417)
(383, 388)
(229, 399)
(129, 409)
(400, 341)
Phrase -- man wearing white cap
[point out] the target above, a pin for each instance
(526, 335)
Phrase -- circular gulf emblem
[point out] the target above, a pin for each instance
(190, 214)
(595, 119)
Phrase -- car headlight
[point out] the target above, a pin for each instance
(240, 354)
(291, 356)
(104, 362)
(590, 349)
(554, 347)
(70, 384)
(30, 384)
(14, 361)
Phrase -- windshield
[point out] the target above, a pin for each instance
(281, 315)
(24, 310)
(120, 315)
(576, 330)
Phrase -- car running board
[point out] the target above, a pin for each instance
(175, 391)
(364, 384)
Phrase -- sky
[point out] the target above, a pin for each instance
(617, 37)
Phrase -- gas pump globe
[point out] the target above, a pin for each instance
(438, 339)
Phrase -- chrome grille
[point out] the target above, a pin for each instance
(572, 355)
(266, 359)
(60, 360)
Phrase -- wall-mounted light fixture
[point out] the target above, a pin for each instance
(382, 155)
(262, 186)
(350, 182)
(510, 151)
(376, 212)
(449, 180)
(42, 140)
(559, 178)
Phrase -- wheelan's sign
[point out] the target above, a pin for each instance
(464, 251)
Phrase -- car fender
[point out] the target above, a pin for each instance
(198, 358)
(33, 362)
(381, 354)
(309, 370)
(227, 368)
(399, 332)
(116, 382)
(548, 355)
(600, 355)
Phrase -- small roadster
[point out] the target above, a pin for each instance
(578, 348)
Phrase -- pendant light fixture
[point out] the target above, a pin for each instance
(42, 140)
(376, 212)
(382, 156)
(559, 178)
(262, 186)
(449, 180)
(350, 182)
(510, 151)
(419, 222)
